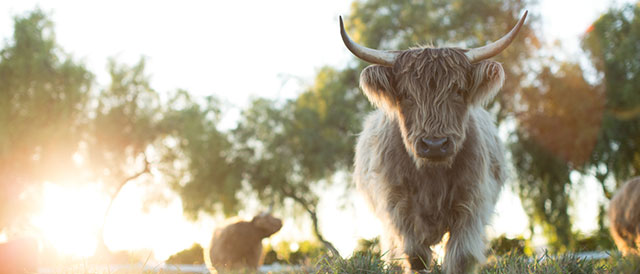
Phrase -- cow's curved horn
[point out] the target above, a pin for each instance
(490, 50)
(374, 56)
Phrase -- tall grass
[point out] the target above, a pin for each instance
(508, 264)
(371, 263)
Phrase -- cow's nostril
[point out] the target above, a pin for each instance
(433, 143)
(434, 147)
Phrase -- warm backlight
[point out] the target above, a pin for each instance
(70, 218)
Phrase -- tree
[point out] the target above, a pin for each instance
(612, 44)
(50, 119)
(559, 120)
(124, 127)
(283, 157)
(197, 156)
(43, 98)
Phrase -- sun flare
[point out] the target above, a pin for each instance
(70, 218)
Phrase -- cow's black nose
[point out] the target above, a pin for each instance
(435, 143)
(435, 148)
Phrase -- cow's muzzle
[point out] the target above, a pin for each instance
(435, 148)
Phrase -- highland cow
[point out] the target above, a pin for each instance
(429, 161)
(239, 245)
(624, 217)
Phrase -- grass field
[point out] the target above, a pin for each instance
(367, 263)
(372, 263)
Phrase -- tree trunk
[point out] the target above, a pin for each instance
(602, 215)
(310, 208)
(102, 246)
(316, 232)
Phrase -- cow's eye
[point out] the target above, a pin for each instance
(407, 102)
(458, 94)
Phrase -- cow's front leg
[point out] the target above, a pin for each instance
(419, 255)
(466, 246)
(419, 261)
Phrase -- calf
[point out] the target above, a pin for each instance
(239, 245)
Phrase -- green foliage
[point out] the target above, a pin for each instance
(556, 135)
(197, 156)
(519, 246)
(612, 44)
(192, 255)
(306, 252)
(600, 240)
(125, 125)
(286, 149)
(368, 246)
(598, 133)
(49, 115)
(43, 98)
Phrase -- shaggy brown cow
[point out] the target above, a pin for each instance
(624, 217)
(429, 160)
(239, 245)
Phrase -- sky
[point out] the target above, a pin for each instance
(237, 50)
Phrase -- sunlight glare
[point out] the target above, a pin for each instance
(439, 250)
(70, 218)
(78, 159)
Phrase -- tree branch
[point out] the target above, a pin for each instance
(601, 177)
(115, 194)
(314, 219)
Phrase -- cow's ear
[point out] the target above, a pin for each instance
(377, 83)
(487, 77)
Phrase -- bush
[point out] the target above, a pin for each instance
(502, 245)
(306, 252)
(192, 255)
(600, 240)
(368, 246)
